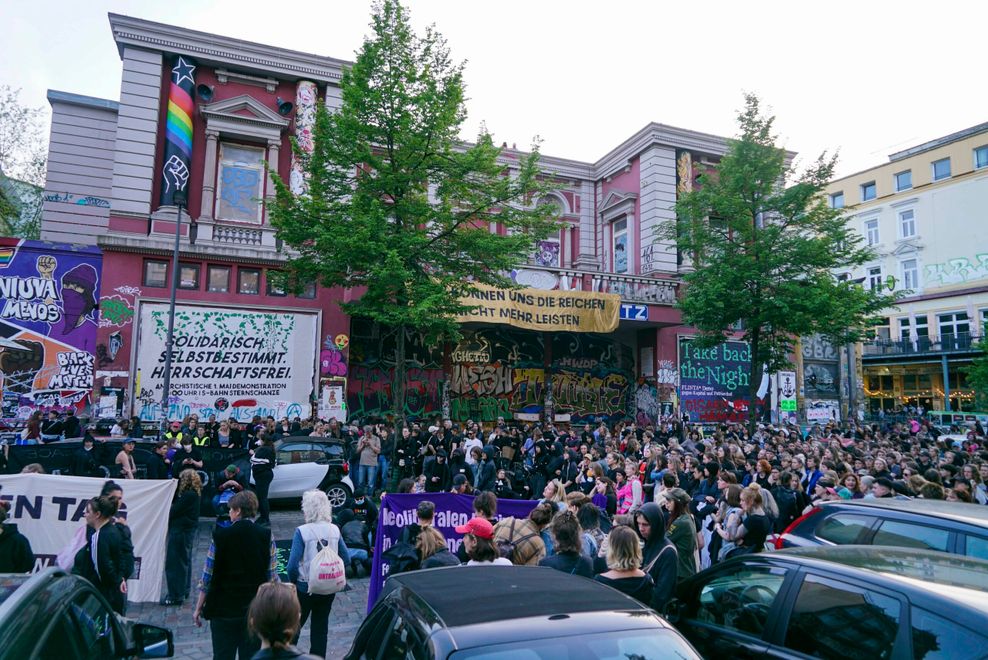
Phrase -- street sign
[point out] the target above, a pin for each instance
(634, 312)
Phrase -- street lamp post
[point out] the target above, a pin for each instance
(179, 200)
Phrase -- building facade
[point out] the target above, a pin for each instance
(201, 114)
(925, 213)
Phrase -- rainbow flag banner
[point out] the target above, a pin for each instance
(178, 129)
(6, 255)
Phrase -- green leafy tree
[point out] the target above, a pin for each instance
(764, 246)
(977, 376)
(23, 163)
(397, 208)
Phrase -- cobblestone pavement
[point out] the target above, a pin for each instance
(194, 643)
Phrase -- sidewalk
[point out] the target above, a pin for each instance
(195, 643)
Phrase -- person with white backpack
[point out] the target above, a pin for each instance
(317, 566)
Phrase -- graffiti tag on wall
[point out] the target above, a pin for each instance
(957, 271)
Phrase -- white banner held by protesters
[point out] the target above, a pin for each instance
(48, 510)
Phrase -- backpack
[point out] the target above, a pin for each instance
(506, 547)
(327, 574)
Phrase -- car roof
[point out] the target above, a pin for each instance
(464, 596)
(939, 574)
(972, 514)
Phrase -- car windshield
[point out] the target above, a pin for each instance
(9, 584)
(649, 644)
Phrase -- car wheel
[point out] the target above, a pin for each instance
(338, 494)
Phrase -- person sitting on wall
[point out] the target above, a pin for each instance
(84, 461)
(51, 428)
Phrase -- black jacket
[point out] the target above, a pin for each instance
(156, 467)
(570, 562)
(16, 555)
(84, 463)
(184, 512)
(486, 474)
(443, 557)
(112, 560)
(435, 469)
(659, 557)
(241, 563)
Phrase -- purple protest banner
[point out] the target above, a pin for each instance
(452, 511)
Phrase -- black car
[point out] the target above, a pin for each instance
(953, 527)
(506, 613)
(845, 602)
(57, 616)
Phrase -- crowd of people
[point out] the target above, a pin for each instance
(637, 508)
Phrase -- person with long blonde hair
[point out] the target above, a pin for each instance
(317, 533)
(183, 519)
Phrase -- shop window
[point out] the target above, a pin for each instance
(241, 183)
(249, 281)
(218, 279)
(188, 276)
(155, 273)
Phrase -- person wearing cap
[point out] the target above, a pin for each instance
(125, 459)
(478, 538)
(174, 433)
(231, 479)
(460, 485)
(681, 531)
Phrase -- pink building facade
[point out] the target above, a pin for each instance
(204, 113)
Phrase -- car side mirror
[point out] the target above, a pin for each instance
(151, 642)
(673, 611)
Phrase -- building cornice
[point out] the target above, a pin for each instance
(151, 245)
(55, 96)
(657, 134)
(217, 50)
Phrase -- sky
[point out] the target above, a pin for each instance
(864, 78)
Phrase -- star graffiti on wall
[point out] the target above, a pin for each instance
(182, 70)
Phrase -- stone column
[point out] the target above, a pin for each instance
(209, 177)
(274, 146)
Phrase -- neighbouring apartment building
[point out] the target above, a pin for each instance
(200, 113)
(925, 213)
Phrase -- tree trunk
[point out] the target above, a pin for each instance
(398, 390)
(754, 380)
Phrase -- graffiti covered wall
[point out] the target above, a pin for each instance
(49, 294)
(494, 372)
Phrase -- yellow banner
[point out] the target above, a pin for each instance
(535, 309)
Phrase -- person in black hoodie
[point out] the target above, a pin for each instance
(84, 463)
(659, 558)
(183, 518)
(486, 472)
(71, 427)
(459, 465)
(262, 469)
(437, 476)
(16, 555)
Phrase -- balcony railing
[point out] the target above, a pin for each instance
(631, 288)
(958, 343)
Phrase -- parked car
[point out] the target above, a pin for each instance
(953, 527)
(54, 615)
(302, 464)
(845, 602)
(506, 613)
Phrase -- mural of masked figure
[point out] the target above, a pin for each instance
(78, 323)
